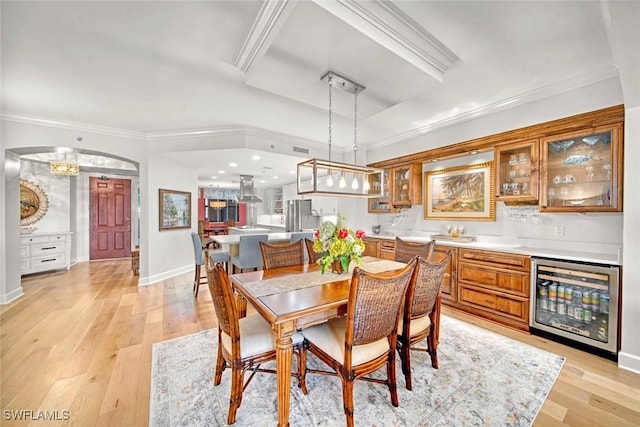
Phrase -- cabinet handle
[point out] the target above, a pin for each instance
(51, 247)
(49, 260)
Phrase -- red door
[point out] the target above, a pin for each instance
(110, 210)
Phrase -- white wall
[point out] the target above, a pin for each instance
(629, 356)
(170, 252)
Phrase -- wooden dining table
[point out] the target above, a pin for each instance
(293, 298)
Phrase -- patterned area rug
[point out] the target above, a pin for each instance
(484, 379)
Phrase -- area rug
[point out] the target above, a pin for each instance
(484, 379)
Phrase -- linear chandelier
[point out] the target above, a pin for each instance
(329, 178)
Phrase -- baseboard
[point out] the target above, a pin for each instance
(629, 362)
(150, 280)
(11, 296)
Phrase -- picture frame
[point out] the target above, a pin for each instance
(175, 209)
(460, 193)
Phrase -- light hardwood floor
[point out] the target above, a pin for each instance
(80, 341)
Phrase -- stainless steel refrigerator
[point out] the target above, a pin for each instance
(299, 215)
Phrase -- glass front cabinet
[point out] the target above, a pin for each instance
(406, 184)
(517, 171)
(381, 204)
(582, 171)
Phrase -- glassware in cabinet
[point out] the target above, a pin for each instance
(381, 204)
(581, 171)
(407, 185)
(517, 171)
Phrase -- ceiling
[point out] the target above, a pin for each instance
(159, 68)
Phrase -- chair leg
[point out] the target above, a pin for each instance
(391, 378)
(196, 281)
(405, 358)
(347, 397)
(432, 348)
(236, 394)
(302, 369)
(220, 365)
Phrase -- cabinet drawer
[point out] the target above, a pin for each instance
(498, 259)
(58, 238)
(28, 240)
(48, 262)
(51, 248)
(512, 282)
(505, 305)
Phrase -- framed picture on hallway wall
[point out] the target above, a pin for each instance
(175, 209)
(460, 193)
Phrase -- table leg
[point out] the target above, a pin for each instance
(284, 356)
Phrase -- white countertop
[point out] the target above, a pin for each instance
(234, 239)
(534, 249)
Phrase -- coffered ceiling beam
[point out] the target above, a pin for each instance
(388, 26)
(265, 28)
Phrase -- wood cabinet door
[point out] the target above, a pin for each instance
(371, 247)
(448, 289)
(517, 171)
(581, 171)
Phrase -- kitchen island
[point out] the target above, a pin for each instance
(231, 242)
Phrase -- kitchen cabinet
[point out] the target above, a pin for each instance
(44, 252)
(381, 204)
(273, 201)
(406, 185)
(387, 249)
(516, 171)
(371, 247)
(581, 171)
(448, 289)
(495, 285)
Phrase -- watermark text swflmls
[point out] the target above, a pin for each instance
(36, 415)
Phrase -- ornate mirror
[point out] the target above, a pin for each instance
(33, 203)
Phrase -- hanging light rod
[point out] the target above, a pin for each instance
(317, 176)
(342, 82)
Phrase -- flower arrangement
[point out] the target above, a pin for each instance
(338, 243)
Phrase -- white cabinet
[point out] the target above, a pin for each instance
(45, 251)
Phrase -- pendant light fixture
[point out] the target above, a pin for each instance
(64, 167)
(316, 176)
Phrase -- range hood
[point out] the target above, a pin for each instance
(246, 190)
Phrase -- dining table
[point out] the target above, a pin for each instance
(293, 298)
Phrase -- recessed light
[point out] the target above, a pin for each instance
(214, 177)
(262, 181)
(221, 172)
(275, 177)
(292, 172)
(255, 157)
(233, 165)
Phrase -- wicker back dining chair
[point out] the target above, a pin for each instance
(421, 317)
(365, 340)
(313, 256)
(406, 250)
(243, 343)
(282, 255)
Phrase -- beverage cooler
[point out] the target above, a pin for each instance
(577, 301)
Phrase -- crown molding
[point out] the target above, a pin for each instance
(272, 16)
(503, 104)
(388, 26)
(74, 126)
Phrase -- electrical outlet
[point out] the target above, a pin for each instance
(559, 230)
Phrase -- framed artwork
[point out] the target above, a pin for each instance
(460, 193)
(33, 203)
(175, 209)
